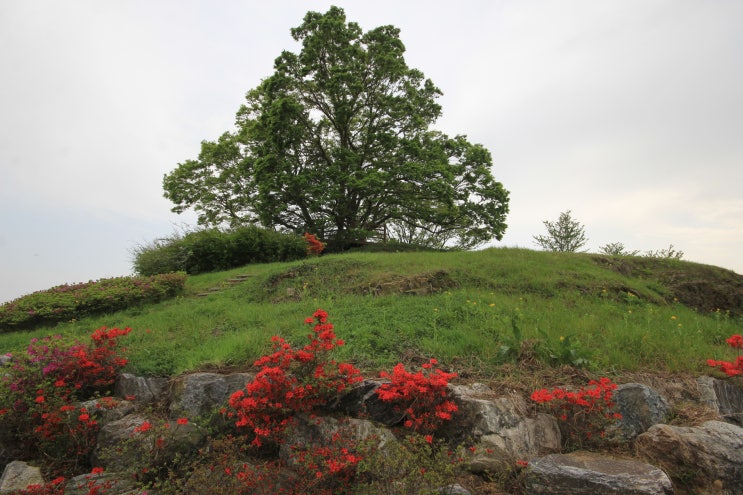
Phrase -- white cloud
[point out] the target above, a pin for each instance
(627, 112)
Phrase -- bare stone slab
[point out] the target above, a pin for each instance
(586, 473)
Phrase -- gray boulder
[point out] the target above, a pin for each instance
(108, 483)
(107, 409)
(142, 390)
(641, 407)
(501, 428)
(710, 455)
(118, 446)
(121, 446)
(316, 431)
(585, 473)
(18, 475)
(199, 394)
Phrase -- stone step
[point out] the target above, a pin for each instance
(229, 282)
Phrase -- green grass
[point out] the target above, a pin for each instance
(473, 311)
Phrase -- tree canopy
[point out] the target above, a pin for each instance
(338, 142)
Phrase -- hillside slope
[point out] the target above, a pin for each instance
(474, 311)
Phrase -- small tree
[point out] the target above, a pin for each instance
(564, 235)
(617, 249)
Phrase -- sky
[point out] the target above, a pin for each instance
(628, 113)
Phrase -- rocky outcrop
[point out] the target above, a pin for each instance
(712, 452)
(723, 397)
(501, 429)
(584, 473)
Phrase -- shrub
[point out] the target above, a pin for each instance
(74, 301)
(292, 381)
(213, 249)
(421, 398)
(39, 394)
(314, 245)
(617, 249)
(415, 466)
(583, 415)
(668, 253)
(159, 256)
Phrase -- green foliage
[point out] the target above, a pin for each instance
(74, 301)
(213, 249)
(338, 142)
(666, 254)
(413, 466)
(566, 235)
(617, 249)
(164, 255)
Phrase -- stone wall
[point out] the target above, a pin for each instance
(505, 429)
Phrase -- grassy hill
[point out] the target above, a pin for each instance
(481, 313)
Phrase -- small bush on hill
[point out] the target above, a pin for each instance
(212, 249)
(74, 301)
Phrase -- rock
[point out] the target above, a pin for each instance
(526, 438)
(108, 483)
(142, 390)
(641, 407)
(501, 428)
(362, 400)
(455, 489)
(199, 394)
(121, 446)
(18, 475)
(722, 396)
(587, 473)
(107, 409)
(707, 454)
(118, 445)
(322, 430)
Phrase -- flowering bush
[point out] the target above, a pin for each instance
(292, 381)
(73, 301)
(327, 468)
(38, 395)
(314, 245)
(736, 367)
(585, 414)
(421, 398)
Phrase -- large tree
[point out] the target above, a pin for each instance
(339, 142)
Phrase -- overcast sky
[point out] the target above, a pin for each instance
(628, 113)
